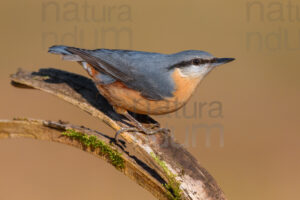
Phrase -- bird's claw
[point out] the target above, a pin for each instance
(127, 129)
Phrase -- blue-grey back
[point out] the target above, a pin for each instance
(148, 71)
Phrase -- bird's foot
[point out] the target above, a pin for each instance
(127, 129)
(154, 131)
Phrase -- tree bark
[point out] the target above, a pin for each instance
(157, 162)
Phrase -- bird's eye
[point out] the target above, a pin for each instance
(213, 60)
(197, 61)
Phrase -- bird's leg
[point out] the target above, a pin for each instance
(152, 125)
(127, 129)
(137, 124)
(155, 125)
(142, 128)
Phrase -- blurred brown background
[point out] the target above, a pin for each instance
(258, 157)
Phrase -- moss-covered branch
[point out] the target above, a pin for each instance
(97, 145)
(85, 139)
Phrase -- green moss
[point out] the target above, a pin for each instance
(20, 119)
(94, 143)
(172, 185)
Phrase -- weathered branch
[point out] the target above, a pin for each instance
(157, 162)
(58, 132)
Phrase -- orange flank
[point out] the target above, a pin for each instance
(124, 98)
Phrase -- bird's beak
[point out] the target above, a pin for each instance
(220, 61)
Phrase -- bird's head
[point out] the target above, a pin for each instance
(194, 63)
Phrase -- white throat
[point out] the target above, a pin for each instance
(195, 71)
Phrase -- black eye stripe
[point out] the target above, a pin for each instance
(196, 61)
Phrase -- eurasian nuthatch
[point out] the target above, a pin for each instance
(143, 82)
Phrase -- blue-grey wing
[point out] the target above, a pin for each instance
(142, 71)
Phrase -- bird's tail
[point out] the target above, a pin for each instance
(59, 49)
(62, 50)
